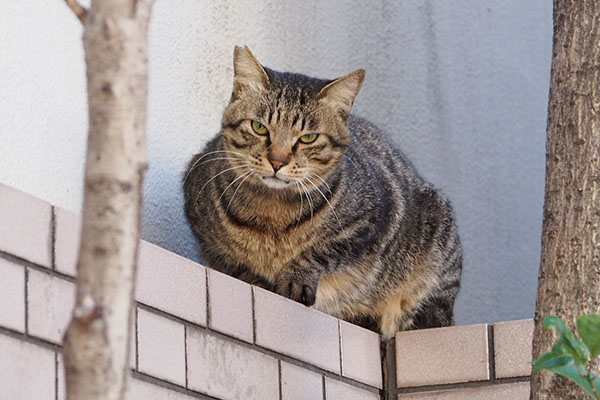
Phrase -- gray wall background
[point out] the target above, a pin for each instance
(461, 86)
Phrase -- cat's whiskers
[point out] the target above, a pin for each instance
(325, 198)
(220, 158)
(325, 183)
(301, 203)
(216, 176)
(245, 174)
(236, 190)
(242, 157)
(309, 199)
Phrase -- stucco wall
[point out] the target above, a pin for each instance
(462, 86)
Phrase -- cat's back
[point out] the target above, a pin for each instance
(419, 215)
(373, 156)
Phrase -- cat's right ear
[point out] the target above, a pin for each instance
(342, 92)
(248, 74)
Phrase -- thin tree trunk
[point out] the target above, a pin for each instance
(97, 340)
(569, 280)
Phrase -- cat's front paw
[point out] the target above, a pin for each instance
(298, 291)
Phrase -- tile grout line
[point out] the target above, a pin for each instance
(280, 380)
(53, 238)
(185, 353)
(388, 366)
(169, 385)
(491, 354)
(56, 372)
(26, 272)
(461, 385)
(36, 267)
(323, 384)
(29, 339)
(341, 353)
(253, 314)
(208, 316)
(137, 336)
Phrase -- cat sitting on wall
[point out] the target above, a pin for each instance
(299, 196)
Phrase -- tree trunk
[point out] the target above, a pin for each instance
(97, 340)
(569, 280)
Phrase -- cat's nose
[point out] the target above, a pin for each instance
(277, 164)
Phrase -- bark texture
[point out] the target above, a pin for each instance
(569, 280)
(97, 340)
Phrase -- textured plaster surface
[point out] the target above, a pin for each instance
(462, 86)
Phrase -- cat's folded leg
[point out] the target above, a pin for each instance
(237, 270)
(299, 282)
(254, 279)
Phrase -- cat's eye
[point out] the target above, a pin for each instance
(259, 128)
(309, 138)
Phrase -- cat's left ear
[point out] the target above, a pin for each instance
(342, 92)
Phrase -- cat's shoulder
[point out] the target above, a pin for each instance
(365, 132)
(362, 128)
(358, 124)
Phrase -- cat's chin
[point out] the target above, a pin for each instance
(275, 183)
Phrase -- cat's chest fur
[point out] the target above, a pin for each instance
(266, 251)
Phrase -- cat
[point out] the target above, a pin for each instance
(297, 195)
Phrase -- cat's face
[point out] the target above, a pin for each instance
(286, 130)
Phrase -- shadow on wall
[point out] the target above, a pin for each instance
(163, 219)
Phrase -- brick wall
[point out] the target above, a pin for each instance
(199, 334)
(465, 362)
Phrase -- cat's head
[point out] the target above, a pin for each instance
(284, 129)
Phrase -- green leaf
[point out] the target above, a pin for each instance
(567, 343)
(571, 372)
(596, 381)
(551, 360)
(588, 327)
(553, 322)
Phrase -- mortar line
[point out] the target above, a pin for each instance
(26, 300)
(170, 386)
(28, 264)
(339, 326)
(53, 238)
(185, 352)
(208, 316)
(29, 339)
(137, 347)
(491, 354)
(56, 372)
(388, 359)
(253, 315)
(280, 380)
(462, 385)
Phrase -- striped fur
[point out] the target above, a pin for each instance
(355, 232)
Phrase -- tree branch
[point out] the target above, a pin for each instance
(77, 9)
(96, 342)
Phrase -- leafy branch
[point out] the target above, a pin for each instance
(572, 358)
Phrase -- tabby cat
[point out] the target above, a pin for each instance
(298, 196)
